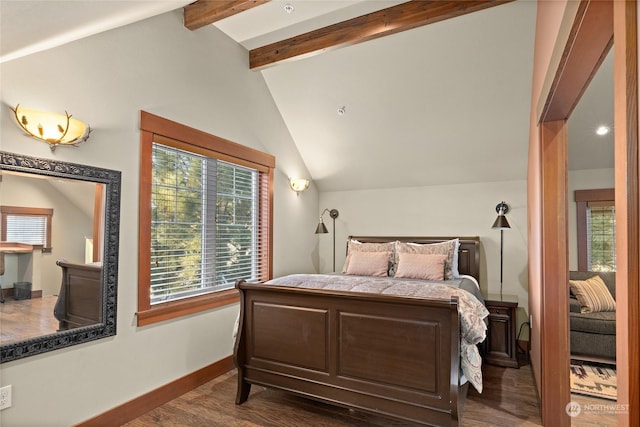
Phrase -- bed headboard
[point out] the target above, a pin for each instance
(468, 254)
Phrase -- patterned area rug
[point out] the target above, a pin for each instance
(596, 380)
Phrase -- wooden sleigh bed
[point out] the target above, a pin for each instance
(392, 356)
(80, 299)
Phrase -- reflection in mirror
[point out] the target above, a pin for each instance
(58, 254)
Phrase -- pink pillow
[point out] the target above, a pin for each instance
(421, 266)
(369, 263)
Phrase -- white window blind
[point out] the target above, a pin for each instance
(27, 229)
(204, 225)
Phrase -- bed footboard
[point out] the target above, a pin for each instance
(80, 299)
(396, 357)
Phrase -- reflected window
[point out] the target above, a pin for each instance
(27, 225)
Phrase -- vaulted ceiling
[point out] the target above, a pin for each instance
(442, 103)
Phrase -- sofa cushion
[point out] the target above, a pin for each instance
(593, 294)
(574, 305)
(597, 323)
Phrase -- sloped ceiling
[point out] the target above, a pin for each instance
(444, 103)
(439, 104)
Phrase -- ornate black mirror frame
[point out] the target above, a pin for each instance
(107, 327)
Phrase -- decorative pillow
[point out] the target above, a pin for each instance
(420, 266)
(593, 295)
(456, 255)
(356, 246)
(369, 263)
(444, 248)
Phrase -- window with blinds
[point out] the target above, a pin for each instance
(205, 218)
(596, 226)
(27, 225)
(601, 236)
(27, 229)
(204, 224)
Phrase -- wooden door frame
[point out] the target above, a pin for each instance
(568, 79)
(627, 175)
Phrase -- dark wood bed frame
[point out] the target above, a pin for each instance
(388, 355)
(80, 299)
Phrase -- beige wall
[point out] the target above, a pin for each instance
(198, 78)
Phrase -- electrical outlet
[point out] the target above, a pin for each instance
(5, 397)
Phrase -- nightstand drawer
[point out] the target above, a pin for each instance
(499, 310)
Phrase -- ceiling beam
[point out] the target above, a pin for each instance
(205, 12)
(395, 19)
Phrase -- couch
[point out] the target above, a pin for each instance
(592, 335)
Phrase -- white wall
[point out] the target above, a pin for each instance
(451, 210)
(198, 78)
(583, 180)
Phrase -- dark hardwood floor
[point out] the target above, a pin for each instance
(509, 399)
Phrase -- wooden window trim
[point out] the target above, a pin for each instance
(584, 199)
(156, 128)
(25, 211)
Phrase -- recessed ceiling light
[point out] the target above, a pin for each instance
(341, 111)
(603, 130)
(289, 8)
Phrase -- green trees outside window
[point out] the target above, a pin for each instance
(204, 223)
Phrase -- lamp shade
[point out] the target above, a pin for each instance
(501, 222)
(298, 184)
(321, 229)
(52, 128)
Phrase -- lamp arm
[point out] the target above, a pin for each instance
(322, 214)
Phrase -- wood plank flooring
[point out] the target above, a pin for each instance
(23, 319)
(509, 399)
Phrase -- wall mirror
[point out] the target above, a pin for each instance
(59, 243)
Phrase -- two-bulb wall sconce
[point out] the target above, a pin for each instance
(53, 128)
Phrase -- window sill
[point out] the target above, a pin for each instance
(175, 309)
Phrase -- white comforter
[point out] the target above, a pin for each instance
(472, 311)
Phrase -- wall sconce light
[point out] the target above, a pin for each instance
(322, 229)
(298, 185)
(53, 128)
(501, 224)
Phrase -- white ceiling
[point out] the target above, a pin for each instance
(441, 104)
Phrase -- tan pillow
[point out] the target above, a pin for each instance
(356, 246)
(444, 248)
(593, 295)
(369, 263)
(421, 266)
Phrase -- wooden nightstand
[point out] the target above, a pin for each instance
(500, 345)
